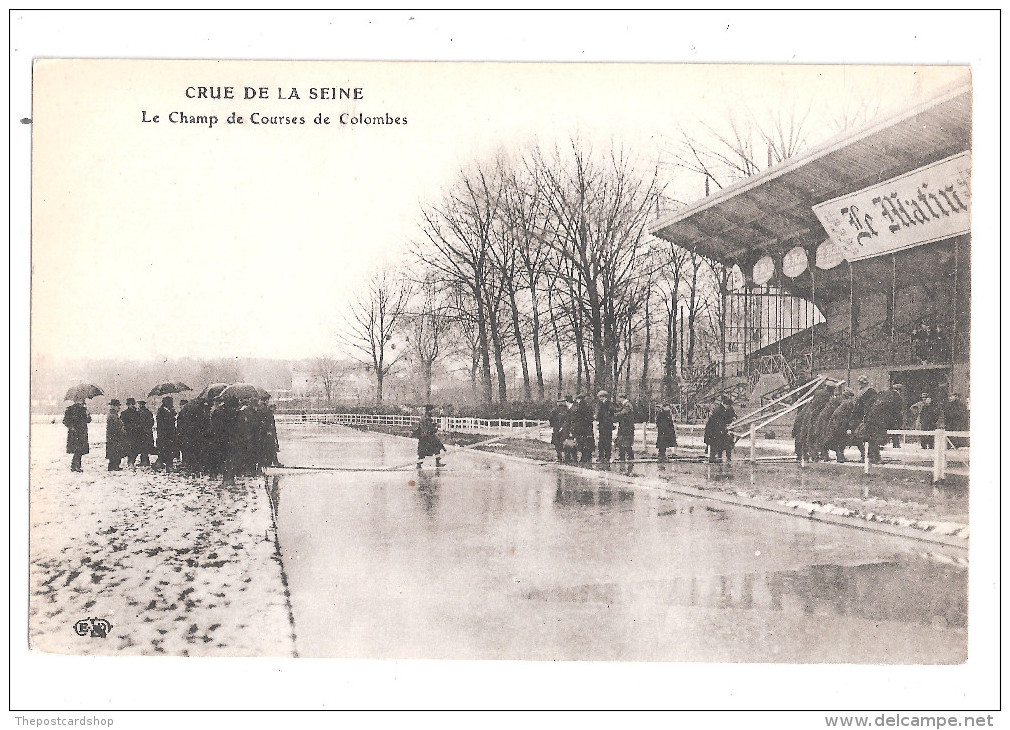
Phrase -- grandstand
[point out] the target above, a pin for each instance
(871, 231)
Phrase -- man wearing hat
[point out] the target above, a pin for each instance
(134, 432)
(956, 417)
(883, 415)
(186, 429)
(837, 436)
(117, 444)
(559, 421)
(625, 429)
(865, 395)
(168, 435)
(76, 419)
(605, 421)
(666, 432)
(428, 443)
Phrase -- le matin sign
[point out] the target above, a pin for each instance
(927, 204)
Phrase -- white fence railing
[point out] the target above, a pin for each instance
(445, 423)
(941, 445)
(495, 426)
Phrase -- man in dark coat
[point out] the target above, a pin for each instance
(134, 433)
(428, 443)
(245, 425)
(956, 418)
(117, 444)
(666, 432)
(203, 434)
(838, 435)
(227, 449)
(799, 431)
(819, 432)
(717, 435)
(929, 415)
(625, 429)
(883, 415)
(146, 432)
(264, 440)
(216, 439)
(185, 425)
(865, 395)
(76, 419)
(168, 436)
(582, 428)
(820, 400)
(605, 421)
(559, 421)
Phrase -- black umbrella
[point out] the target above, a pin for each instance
(212, 391)
(168, 388)
(240, 391)
(83, 390)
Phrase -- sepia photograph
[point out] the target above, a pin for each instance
(547, 364)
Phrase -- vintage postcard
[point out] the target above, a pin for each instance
(501, 361)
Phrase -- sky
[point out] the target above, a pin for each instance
(170, 239)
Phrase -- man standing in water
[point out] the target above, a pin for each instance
(428, 443)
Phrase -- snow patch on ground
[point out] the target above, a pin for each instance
(178, 564)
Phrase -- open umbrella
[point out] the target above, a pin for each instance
(240, 391)
(212, 391)
(263, 394)
(83, 390)
(167, 388)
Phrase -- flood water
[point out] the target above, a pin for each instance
(492, 559)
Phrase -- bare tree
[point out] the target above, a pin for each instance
(669, 287)
(601, 205)
(458, 233)
(429, 323)
(375, 316)
(326, 371)
(741, 145)
(523, 217)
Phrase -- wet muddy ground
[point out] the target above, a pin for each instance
(492, 558)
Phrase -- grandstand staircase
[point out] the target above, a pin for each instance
(777, 409)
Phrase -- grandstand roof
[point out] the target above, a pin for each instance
(771, 212)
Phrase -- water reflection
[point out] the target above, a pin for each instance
(578, 492)
(427, 493)
(904, 590)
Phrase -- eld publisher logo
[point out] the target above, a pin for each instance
(96, 628)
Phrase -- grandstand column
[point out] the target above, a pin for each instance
(813, 301)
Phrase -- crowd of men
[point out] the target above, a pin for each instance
(220, 437)
(837, 418)
(573, 437)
